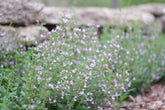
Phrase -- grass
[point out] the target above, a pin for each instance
(76, 70)
(98, 3)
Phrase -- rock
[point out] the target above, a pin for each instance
(156, 105)
(30, 34)
(157, 9)
(125, 17)
(22, 12)
(159, 26)
(163, 19)
(53, 15)
(12, 38)
(8, 40)
(155, 99)
(94, 15)
(163, 22)
(111, 16)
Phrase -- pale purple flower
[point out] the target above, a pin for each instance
(64, 64)
(81, 92)
(134, 78)
(3, 34)
(127, 79)
(75, 98)
(117, 36)
(127, 52)
(32, 107)
(54, 100)
(51, 85)
(71, 82)
(93, 65)
(113, 98)
(2, 66)
(129, 84)
(127, 73)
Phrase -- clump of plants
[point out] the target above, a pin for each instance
(74, 69)
(145, 54)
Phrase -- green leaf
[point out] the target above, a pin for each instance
(12, 94)
(133, 99)
(23, 93)
(125, 95)
(82, 101)
(59, 105)
(38, 101)
(70, 105)
(2, 89)
(24, 106)
(23, 78)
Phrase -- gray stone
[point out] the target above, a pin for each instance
(159, 26)
(93, 15)
(30, 34)
(156, 9)
(21, 12)
(163, 22)
(8, 39)
(12, 38)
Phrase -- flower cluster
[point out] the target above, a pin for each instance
(76, 66)
(76, 69)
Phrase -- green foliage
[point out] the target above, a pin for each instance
(74, 69)
(124, 3)
(99, 3)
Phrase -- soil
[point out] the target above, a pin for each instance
(153, 99)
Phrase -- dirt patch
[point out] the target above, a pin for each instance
(154, 99)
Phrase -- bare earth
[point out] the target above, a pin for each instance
(154, 99)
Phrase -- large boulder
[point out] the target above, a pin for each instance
(159, 26)
(94, 15)
(162, 18)
(53, 15)
(163, 22)
(22, 12)
(8, 40)
(12, 38)
(30, 34)
(157, 9)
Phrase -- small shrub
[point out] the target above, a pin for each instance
(74, 69)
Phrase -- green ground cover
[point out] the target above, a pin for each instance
(76, 70)
(98, 3)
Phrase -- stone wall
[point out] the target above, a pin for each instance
(25, 15)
